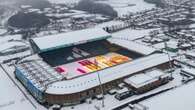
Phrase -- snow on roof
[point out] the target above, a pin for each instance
(140, 80)
(2, 31)
(8, 45)
(130, 34)
(91, 80)
(133, 46)
(63, 1)
(185, 45)
(137, 80)
(57, 15)
(155, 73)
(109, 24)
(190, 53)
(192, 25)
(159, 45)
(78, 11)
(33, 10)
(172, 44)
(25, 6)
(177, 99)
(39, 73)
(134, 6)
(69, 39)
(83, 16)
(189, 70)
(10, 37)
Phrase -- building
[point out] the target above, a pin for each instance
(172, 47)
(36, 76)
(147, 81)
(190, 55)
(79, 59)
(188, 72)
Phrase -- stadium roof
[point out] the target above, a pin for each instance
(133, 46)
(69, 39)
(91, 80)
(39, 73)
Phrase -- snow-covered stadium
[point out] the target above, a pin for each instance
(71, 66)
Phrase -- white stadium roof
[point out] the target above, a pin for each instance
(69, 39)
(133, 46)
(91, 80)
(39, 73)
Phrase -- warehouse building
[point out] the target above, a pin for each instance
(147, 81)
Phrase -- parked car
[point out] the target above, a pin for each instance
(112, 92)
(124, 95)
(99, 97)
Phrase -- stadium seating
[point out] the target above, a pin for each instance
(70, 54)
(79, 52)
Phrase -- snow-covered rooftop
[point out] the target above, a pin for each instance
(189, 70)
(140, 80)
(133, 46)
(130, 34)
(190, 53)
(172, 44)
(83, 16)
(69, 39)
(39, 73)
(91, 80)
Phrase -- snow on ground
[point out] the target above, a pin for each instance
(109, 23)
(192, 26)
(8, 45)
(159, 45)
(11, 97)
(2, 31)
(178, 99)
(111, 102)
(129, 6)
(16, 93)
(63, 1)
(121, 6)
(5, 16)
(10, 37)
(131, 34)
(17, 55)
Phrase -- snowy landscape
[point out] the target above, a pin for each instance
(97, 54)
